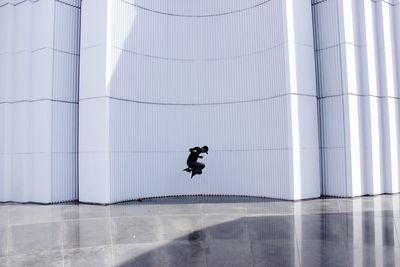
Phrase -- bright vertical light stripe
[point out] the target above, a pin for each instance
(296, 148)
(294, 107)
(375, 145)
(389, 72)
(389, 68)
(354, 146)
(370, 46)
(387, 24)
(109, 75)
(393, 141)
(374, 126)
(357, 229)
(109, 25)
(298, 232)
(348, 25)
(351, 71)
(379, 232)
(387, 31)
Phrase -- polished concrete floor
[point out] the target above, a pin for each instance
(204, 231)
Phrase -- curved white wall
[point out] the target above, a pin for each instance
(157, 79)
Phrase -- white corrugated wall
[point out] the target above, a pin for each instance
(357, 72)
(39, 71)
(157, 79)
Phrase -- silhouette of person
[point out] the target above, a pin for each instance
(194, 166)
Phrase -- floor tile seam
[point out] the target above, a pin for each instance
(40, 252)
(156, 243)
(69, 251)
(158, 246)
(206, 258)
(159, 231)
(270, 214)
(358, 214)
(111, 227)
(115, 217)
(34, 223)
(297, 258)
(375, 246)
(397, 230)
(251, 253)
(205, 229)
(8, 230)
(62, 243)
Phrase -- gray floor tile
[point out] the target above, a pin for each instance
(225, 227)
(31, 213)
(270, 208)
(229, 253)
(4, 214)
(174, 209)
(135, 230)
(88, 257)
(182, 255)
(141, 255)
(47, 259)
(179, 227)
(271, 227)
(370, 256)
(318, 253)
(324, 226)
(86, 233)
(129, 210)
(85, 211)
(224, 208)
(317, 206)
(397, 226)
(3, 240)
(370, 206)
(274, 253)
(209, 231)
(34, 238)
(369, 230)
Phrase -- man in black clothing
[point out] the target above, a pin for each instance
(194, 166)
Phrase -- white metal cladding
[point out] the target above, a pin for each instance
(357, 72)
(245, 77)
(39, 57)
(157, 79)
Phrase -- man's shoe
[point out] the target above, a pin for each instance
(187, 170)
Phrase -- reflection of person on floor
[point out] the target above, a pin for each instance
(194, 166)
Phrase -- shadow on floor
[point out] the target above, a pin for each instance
(334, 239)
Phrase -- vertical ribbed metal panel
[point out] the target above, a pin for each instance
(65, 88)
(362, 65)
(388, 66)
(156, 83)
(39, 93)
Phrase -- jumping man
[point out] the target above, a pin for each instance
(194, 166)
